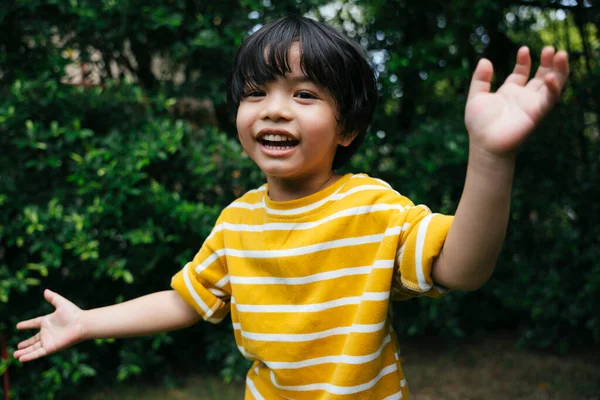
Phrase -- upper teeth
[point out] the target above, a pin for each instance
(276, 138)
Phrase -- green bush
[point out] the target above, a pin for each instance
(104, 215)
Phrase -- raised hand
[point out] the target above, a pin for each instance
(59, 330)
(499, 122)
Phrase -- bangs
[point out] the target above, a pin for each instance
(266, 61)
(265, 56)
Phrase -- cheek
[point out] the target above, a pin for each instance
(243, 121)
(239, 119)
(324, 129)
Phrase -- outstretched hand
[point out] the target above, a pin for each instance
(499, 122)
(59, 330)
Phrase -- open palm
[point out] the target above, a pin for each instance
(499, 122)
(59, 330)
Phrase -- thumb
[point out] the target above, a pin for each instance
(482, 77)
(54, 298)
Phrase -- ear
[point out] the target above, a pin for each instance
(346, 140)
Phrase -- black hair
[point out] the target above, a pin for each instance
(327, 57)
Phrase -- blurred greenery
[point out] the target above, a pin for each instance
(119, 151)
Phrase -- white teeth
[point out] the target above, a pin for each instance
(276, 138)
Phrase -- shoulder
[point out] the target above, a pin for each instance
(368, 182)
(373, 190)
(251, 196)
(249, 201)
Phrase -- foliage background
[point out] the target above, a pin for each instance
(118, 153)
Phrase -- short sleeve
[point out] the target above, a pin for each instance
(204, 282)
(419, 246)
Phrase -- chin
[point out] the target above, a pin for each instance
(278, 171)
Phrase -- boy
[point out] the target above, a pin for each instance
(308, 262)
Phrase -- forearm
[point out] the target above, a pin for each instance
(475, 238)
(150, 314)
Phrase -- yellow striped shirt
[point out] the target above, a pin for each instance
(308, 283)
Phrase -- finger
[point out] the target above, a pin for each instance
(54, 298)
(520, 74)
(27, 350)
(482, 77)
(51, 297)
(33, 323)
(29, 342)
(561, 67)
(546, 63)
(41, 352)
(552, 82)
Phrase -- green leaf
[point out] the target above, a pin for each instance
(32, 281)
(42, 269)
(127, 276)
(77, 158)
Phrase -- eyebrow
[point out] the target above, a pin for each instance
(300, 79)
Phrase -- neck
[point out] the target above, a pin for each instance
(283, 189)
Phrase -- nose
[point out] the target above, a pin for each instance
(276, 107)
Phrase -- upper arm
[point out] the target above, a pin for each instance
(203, 283)
(419, 247)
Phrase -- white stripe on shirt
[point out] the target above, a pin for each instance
(342, 359)
(335, 389)
(420, 245)
(322, 276)
(296, 226)
(333, 197)
(306, 337)
(253, 389)
(395, 396)
(223, 281)
(315, 307)
(192, 291)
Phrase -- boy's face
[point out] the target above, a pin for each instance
(289, 127)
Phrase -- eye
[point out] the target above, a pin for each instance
(254, 93)
(305, 95)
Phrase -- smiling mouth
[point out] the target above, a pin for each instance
(277, 142)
